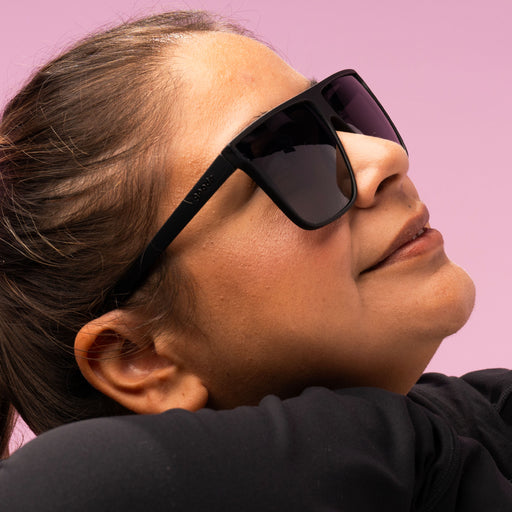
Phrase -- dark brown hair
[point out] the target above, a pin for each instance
(81, 159)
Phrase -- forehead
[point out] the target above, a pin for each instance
(228, 80)
(214, 60)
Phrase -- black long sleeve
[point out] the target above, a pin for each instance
(352, 450)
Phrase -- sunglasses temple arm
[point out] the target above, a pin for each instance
(218, 172)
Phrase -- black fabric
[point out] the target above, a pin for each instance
(446, 447)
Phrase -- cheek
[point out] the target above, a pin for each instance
(275, 267)
(272, 281)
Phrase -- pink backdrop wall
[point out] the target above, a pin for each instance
(443, 70)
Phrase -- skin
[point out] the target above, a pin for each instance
(278, 308)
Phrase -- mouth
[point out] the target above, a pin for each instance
(415, 238)
(419, 233)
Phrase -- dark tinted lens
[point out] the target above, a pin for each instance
(356, 107)
(298, 159)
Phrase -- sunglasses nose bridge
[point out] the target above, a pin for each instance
(330, 116)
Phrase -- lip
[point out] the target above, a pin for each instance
(413, 239)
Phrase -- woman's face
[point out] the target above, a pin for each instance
(278, 308)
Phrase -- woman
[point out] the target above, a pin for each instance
(263, 281)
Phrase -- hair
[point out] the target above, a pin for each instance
(81, 164)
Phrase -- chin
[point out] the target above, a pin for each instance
(453, 303)
(456, 299)
(445, 303)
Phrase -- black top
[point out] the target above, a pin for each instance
(445, 447)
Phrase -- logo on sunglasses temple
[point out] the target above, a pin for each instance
(199, 189)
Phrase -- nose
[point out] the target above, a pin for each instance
(378, 166)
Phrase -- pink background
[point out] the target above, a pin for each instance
(443, 70)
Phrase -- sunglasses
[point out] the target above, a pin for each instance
(294, 154)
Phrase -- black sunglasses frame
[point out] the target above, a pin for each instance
(228, 161)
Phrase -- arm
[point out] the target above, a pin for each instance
(349, 450)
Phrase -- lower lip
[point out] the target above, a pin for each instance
(428, 241)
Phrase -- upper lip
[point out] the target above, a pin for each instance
(413, 227)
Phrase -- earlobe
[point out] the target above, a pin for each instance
(119, 357)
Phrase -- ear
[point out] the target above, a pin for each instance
(118, 356)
